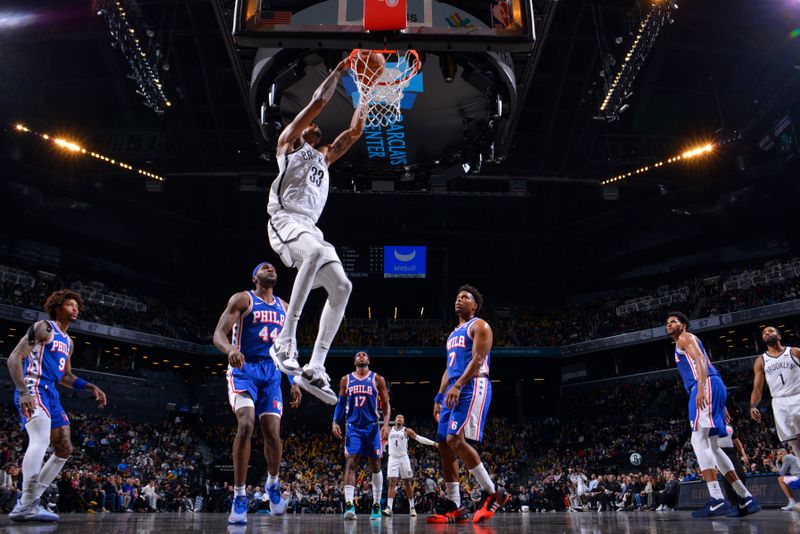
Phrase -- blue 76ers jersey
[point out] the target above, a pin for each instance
(362, 400)
(258, 327)
(459, 352)
(48, 359)
(687, 368)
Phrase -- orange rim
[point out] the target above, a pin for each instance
(395, 52)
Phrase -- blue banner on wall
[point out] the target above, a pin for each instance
(403, 262)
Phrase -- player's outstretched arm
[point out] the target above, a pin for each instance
(420, 439)
(237, 305)
(758, 389)
(71, 381)
(347, 138)
(40, 332)
(319, 100)
(383, 391)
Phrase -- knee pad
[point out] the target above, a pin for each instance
(702, 450)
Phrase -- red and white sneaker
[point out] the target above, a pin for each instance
(491, 505)
(454, 514)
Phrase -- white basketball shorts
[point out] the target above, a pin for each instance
(399, 467)
(292, 237)
(787, 416)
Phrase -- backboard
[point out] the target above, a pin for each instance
(463, 25)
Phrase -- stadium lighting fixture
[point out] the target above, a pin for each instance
(695, 152)
(620, 86)
(79, 150)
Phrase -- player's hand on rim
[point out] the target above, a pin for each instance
(343, 65)
(27, 405)
(297, 396)
(337, 430)
(236, 359)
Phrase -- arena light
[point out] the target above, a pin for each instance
(139, 46)
(75, 148)
(696, 152)
(620, 86)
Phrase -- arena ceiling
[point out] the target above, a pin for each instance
(725, 68)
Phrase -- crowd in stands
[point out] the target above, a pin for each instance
(513, 326)
(579, 458)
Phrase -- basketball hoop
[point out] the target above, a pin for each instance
(381, 86)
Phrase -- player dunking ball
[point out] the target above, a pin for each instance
(779, 366)
(41, 360)
(254, 319)
(466, 393)
(296, 200)
(358, 401)
(707, 396)
(400, 464)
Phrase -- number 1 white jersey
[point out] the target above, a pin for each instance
(783, 374)
(302, 183)
(398, 442)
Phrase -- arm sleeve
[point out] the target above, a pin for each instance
(424, 440)
(338, 413)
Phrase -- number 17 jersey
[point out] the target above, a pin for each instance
(302, 183)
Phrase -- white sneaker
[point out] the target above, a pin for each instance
(412, 512)
(19, 512)
(317, 382)
(284, 353)
(788, 507)
(387, 511)
(32, 512)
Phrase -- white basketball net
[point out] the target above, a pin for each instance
(382, 93)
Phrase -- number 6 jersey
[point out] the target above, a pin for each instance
(302, 183)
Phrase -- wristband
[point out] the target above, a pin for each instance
(79, 383)
(439, 398)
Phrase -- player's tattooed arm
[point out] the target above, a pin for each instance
(347, 138)
(237, 305)
(40, 332)
(758, 389)
(319, 100)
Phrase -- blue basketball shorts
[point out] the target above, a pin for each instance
(256, 384)
(713, 415)
(469, 414)
(361, 441)
(48, 404)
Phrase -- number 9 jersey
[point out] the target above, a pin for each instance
(302, 183)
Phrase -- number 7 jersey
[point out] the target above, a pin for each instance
(302, 183)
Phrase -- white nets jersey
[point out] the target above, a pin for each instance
(398, 442)
(783, 374)
(302, 183)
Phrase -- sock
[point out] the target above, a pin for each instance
(349, 493)
(335, 282)
(411, 502)
(792, 502)
(238, 491)
(740, 489)
(377, 487)
(48, 474)
(38, 439)
(482, 476)
(714, 490)
(271, 480)
(453, 493)
(389, 502)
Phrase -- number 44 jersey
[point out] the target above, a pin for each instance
(302, 183)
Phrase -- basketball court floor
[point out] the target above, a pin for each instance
(766, 522)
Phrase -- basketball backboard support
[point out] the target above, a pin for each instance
(472, 26)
